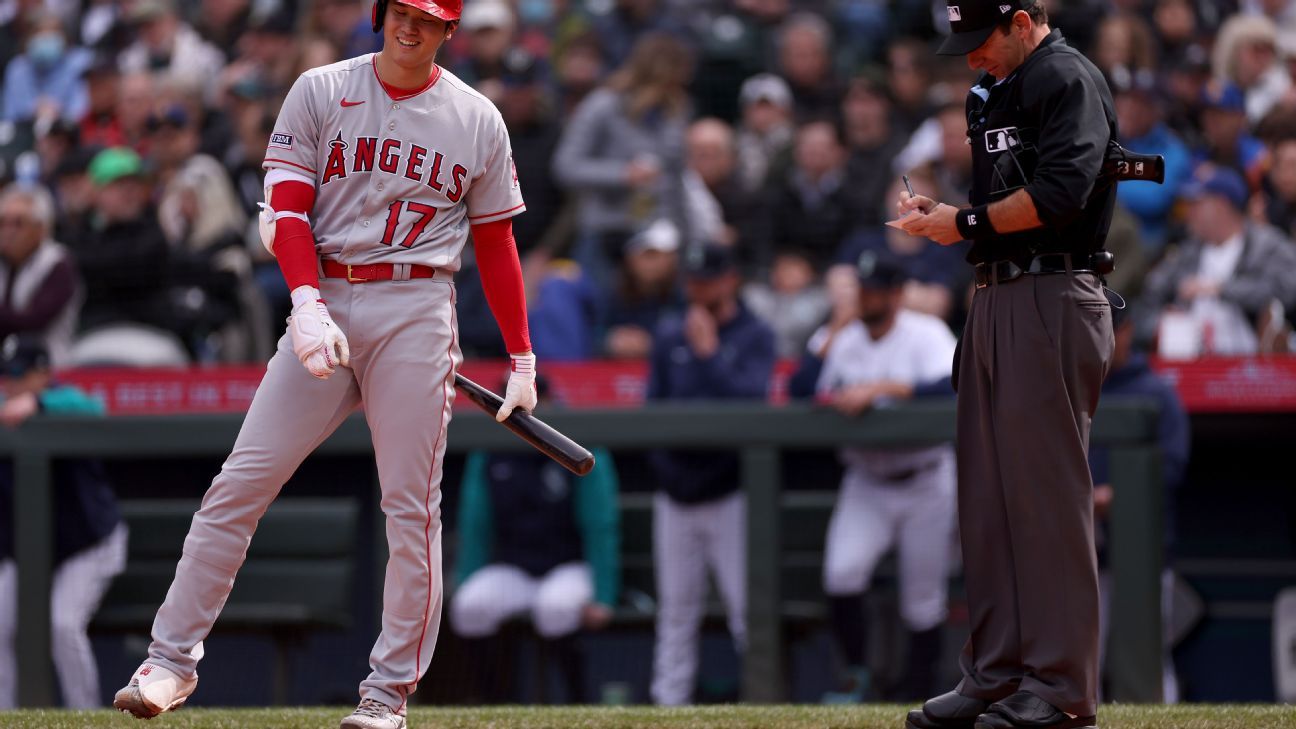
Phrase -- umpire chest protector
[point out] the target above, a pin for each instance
(1013, 130)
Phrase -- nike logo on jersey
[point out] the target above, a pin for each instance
(346, 103)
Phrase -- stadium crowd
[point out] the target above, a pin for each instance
(698, 175)
(132, 135)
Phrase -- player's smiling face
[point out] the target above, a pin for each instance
(412, 37)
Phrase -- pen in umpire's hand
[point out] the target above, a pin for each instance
(912, 194)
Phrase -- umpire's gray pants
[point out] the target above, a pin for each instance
(687, 538)
(1031, 363)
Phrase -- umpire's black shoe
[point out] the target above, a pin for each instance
(947, 711)
(1024, 709)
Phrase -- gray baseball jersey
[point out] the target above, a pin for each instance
(399, 180)
(391, 173)
(902, 497)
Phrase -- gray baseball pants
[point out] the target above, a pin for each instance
(404, 352)
(1031, 363)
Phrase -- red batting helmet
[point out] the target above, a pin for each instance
(447, 10)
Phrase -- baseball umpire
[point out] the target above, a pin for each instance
(1037, 345)
(377, 168)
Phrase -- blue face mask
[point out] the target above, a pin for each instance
(46, 48)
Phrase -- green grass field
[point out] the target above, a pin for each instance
(711, 717)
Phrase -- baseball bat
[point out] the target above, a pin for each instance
(568, 453)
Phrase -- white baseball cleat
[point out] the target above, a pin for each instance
(372, 714)
(153, 690)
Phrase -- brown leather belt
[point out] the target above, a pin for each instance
(372, 271)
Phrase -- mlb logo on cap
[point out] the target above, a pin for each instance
(972, 22)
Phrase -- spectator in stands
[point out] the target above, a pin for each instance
(89, 534)
(1131, 376)
(1211, 289)
(198, 207)
(40, 290)
(1125, 46)
(1280, 187)
(764, 138)
(539, 541)
(137, 95)
(263, 56)
(1246, 55)
(167, 45)
(900, 499)
(791, 300)
(124, 259)
(937, 279)
(805, 60)
(223, 22)
(622, 152)
(580, 64)
(1183, 77)
(15, 23)
(562, 311)
(872, 142)
(487, 27)
(1281, 12)
(528, 111)
(346, 24)
(811, 205)
(56, 141)
(100, 126)
(74, 196)
(624, 24)
(647, 290)
(1175, 25)
(913, 84)
(1139, 113)
(205, 225)
(1226, 139)
(716, 350)
(44, 83)
(713, 167)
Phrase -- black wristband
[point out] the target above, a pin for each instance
(974, 223)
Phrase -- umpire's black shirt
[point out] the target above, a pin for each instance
(1044, 128)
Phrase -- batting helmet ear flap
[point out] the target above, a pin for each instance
(379, 11)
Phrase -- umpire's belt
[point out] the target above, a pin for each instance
(997, 272)
(379, 271)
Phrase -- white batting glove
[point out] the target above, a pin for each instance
(521, 392)
(317, 341)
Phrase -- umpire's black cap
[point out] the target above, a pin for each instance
(972, 21)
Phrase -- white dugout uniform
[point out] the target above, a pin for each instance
(902, 498)
(398, 180)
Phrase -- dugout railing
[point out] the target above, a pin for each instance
(758, 432)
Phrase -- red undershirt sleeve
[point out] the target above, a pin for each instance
(294, 244)
(501, 274)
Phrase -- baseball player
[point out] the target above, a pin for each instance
(377, 168)
(889, 498)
